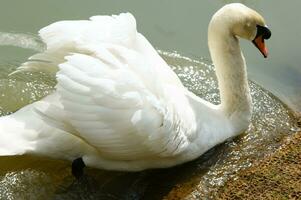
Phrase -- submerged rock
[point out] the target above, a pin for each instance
(276, 177)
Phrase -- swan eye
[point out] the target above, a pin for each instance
(263, 31)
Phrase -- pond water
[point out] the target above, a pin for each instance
(178, 26)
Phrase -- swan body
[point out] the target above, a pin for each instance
(119, 106)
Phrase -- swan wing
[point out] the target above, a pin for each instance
(118, 95)
(64, 37)
(116, 107)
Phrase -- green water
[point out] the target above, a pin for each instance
(173, 26)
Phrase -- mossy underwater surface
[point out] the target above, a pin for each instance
(26, 177)
(276, 177)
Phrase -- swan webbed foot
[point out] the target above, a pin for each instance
(78, 166)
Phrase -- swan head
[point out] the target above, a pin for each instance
(243, 22)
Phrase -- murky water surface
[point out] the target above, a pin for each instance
(26, 177)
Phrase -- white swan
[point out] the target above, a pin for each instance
(118, 105)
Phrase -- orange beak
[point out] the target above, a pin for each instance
(259, 43)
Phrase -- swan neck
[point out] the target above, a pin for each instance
(230, 70)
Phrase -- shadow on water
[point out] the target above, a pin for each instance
(26, 177)
(150, 184)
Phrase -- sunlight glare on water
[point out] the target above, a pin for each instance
(20, 89)
(34, 178)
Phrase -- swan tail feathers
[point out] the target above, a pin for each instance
(23, 131)
(12, 141)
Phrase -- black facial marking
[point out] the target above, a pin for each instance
(263, 31)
